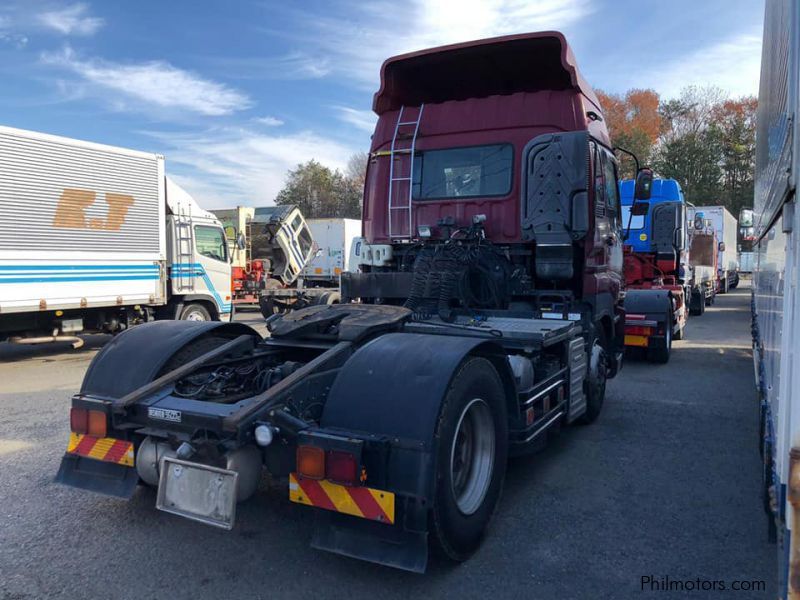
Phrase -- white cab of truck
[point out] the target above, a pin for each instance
(95, 238)
(726, 228)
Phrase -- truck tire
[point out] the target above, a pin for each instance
(595, 383)
(709, 300)
(267, 306)
(697, 304)
(195, 311)
(471, 452)
(661, 355)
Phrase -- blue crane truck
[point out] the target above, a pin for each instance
(657, 290)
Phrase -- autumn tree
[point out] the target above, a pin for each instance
(634, 123)
(320, 192)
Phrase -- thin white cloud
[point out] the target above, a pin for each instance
(269, 121)
(155, 83)
(9, 36)
(71, 20)
(357, 46)
(733, 65)
(227, 166)
(363, 120)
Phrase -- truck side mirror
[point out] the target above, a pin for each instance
(640, 209)
(722, 246)
(643, 185)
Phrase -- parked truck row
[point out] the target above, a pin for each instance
(489, 313)
(283, 262)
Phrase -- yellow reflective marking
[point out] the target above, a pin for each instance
(296, 493)
(341, 499)
(386, 502)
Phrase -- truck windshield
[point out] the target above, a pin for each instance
(463, 172)
(637, 222)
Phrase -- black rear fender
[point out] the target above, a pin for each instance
(136, 356)
(393, 387)
(655, 304)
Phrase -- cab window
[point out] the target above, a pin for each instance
(210, 242)
(304, 237)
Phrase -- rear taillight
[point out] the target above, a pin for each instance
(638, 330)
(78, 420)
(97, 424)
(91, 422)
(311, 462)
(341, 467)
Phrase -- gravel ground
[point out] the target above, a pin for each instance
(665, 484)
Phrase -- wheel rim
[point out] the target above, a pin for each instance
(597, 367)
(472, 456)
(195, 315)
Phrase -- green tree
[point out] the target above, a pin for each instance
(320, 192)
(690, 147)
(736, 120)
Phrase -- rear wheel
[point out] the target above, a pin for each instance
(661, 354)
(472, 449)
(195, 312)
(595, 383)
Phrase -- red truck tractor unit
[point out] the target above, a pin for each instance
(656, 260)
(489, 314)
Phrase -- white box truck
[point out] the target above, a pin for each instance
(95, 238)
(726, 228)
(333, 239)
(776, 284)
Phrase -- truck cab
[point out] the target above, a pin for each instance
(656, 267)
(517, 156)
(199, 261)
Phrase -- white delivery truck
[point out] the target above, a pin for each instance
(95, 238)
(333, 239)
(776, 284)
(726, 229)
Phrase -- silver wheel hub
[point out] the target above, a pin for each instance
(195, 315)
(597, 364)
(472, 456)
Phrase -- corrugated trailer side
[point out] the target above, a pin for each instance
(82, 225)
(776, 302)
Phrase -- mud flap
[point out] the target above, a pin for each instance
(97, 476)
(391, 546)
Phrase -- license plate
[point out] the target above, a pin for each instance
(636, 340)
(198, 492)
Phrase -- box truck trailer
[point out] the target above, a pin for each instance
(726, 230)
(776, 297)
(95, 238)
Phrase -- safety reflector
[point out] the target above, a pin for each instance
(366, 503)
(105, 449)
(636, 340)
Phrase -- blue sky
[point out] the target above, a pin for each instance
(235, 93)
